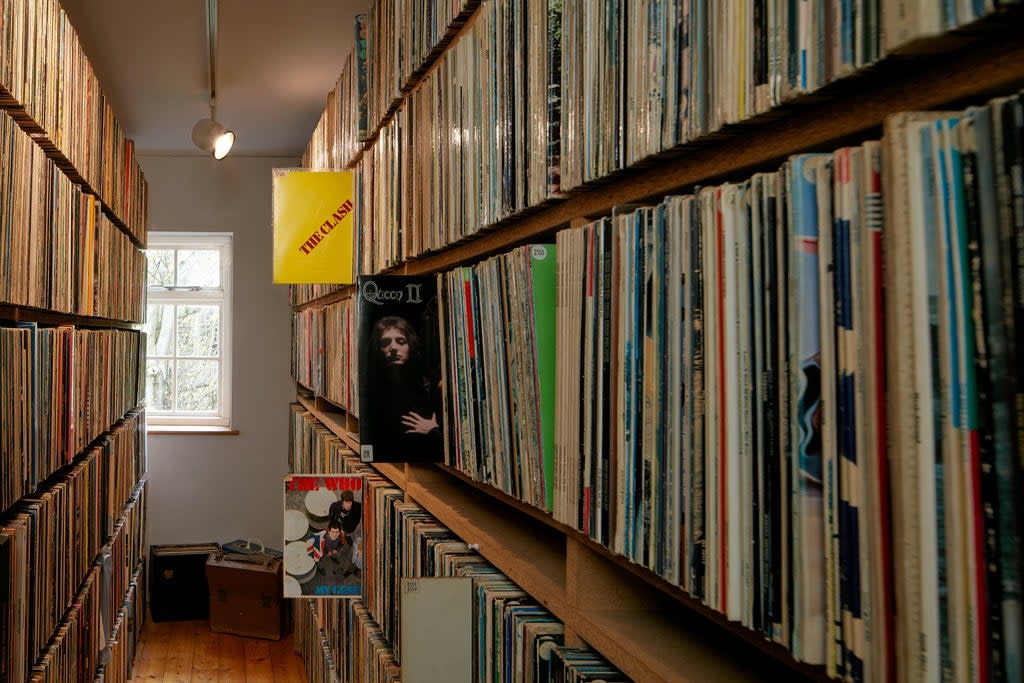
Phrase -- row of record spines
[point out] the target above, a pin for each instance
(44, 571)
(341, 366)
(409, 542)
(58, 250)
(809, 397)
(80, 651)
(127, 549)
(311, 644)
(62, 388)
(119, 654)
(499, 364)
(367, 657)
(301, 294)
(955, 309)
(846, 545)
(845, 530)
(45, 73)
(388, 523)
(399, 41)
(658, 76)
(307, 348)
(74, 652)
(324, 353)
(313, 448)
(503, 158)
(337, 138)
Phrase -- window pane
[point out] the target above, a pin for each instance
(197, 385)
(158, 385)
(199, 268)
(198, 330)
(160, 267)
(159, 330)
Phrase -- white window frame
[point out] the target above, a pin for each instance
(224, 243)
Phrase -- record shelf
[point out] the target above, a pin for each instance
(615, 606)
(644, 625)
(42, 60)
(17, 112)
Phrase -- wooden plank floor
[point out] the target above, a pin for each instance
(189, 652)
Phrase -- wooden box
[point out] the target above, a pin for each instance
(245, 595)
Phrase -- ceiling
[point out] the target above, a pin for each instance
(276, 62)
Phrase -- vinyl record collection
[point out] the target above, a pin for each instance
(72, 438)
(61, 388)
(123, 553)
(638, 78)
(48, 544)
(78, 648)
(45, 75)
(341, 360)
(307, 348)
(739, 397)
(314, 448)
(58, 250)
(300, 294)
(354, 638)
(120, 650)
(498, 334)
(337, 139)
(73, 653)
(747, 450)
(482, 174)
(311, 643)
(791, 395)
(399, 41)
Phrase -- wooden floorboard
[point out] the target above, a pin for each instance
(189, 652)
(179, 653)
(232, 658)
(258, 668)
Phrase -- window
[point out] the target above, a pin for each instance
(188, 328)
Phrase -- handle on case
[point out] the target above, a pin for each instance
(250, 541)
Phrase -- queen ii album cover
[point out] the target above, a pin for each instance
(399, 369)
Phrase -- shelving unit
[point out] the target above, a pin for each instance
(643, 624)
(40, 136)
(616, 606)
(43, 24)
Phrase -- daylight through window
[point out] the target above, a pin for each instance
(188, 329)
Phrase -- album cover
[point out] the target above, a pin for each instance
(399, 369)
(323, 535)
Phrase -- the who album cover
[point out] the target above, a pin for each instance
(399, 369)
(323, 535)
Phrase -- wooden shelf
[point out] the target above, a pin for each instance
(16, 313)
(529, 552)
(345, 292)
(334, 420)
(847, 111)
(565, 571)
(41, 137)
(616, 606)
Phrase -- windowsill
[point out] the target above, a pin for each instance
(191, 430)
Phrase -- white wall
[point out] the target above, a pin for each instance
(219, 488)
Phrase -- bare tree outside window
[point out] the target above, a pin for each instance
(187, 326)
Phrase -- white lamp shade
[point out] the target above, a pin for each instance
(212, 138)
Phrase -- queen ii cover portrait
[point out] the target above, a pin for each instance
(399, 369)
